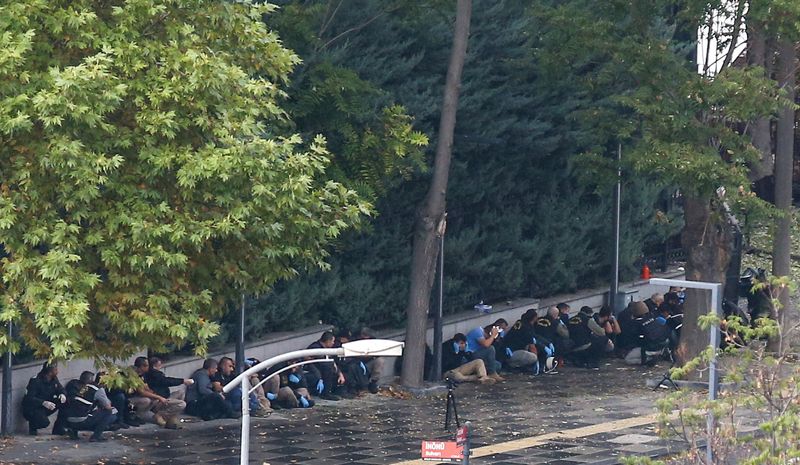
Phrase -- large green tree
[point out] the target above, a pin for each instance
(687, 127)
(521, 219)
(146, 172)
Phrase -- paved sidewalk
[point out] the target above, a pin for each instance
(578, 416)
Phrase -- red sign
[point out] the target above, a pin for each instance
(442, 451)
(461, 435)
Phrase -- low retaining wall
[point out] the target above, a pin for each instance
(278, 343)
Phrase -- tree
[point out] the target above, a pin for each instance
(523, 220)
(784, 168)
(686, 129)
(146, 177)
(431, 216)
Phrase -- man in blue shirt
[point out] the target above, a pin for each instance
(480, 342)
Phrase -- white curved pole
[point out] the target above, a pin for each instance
(286, 368)
(371, 347)
(243, 379)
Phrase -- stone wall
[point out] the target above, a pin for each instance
(278, 343)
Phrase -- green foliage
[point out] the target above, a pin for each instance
(371, 137)
(762, 393)
(147, 175)
(684, 127)
(521, 221)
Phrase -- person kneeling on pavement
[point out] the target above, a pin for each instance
(457, 364)
(43, 396)
(201, 399)
(88, 408)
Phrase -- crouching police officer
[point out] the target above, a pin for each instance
(43, 396)
(88, 408)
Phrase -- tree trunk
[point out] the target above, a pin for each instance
(426, 247)
(760, 129)
(707, 240)
(784, 164)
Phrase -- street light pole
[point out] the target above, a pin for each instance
(437, 321)
(240, 365)
(5, 421)
(612, 297)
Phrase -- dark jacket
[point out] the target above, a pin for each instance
(450, 358)
(520, 336)
(579, 330)
(160, 383)
(40, 390)
(201, 387)
(80, 401)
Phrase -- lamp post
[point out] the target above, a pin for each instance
(5, 421)
(612, 296)
(362, 348)
(240, 365)
(437, 321)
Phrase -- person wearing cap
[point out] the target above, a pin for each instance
(43, 396)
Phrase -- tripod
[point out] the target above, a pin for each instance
(451, 404)
(666, 380)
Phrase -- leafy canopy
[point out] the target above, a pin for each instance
(145, 175)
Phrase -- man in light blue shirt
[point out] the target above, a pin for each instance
(480, 342)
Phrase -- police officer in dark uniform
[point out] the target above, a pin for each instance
(84, 411)
(43, 396)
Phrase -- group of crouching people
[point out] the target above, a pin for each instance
(87, 404)
(642, 333)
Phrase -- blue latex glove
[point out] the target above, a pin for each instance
(456, 348)
(320, 386)
(303, 401)
(272, 396)
(533, 340)
(508, 352)
(363, 368)
(293, 378)
(548, 350)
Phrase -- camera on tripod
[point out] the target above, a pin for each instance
(451, 383)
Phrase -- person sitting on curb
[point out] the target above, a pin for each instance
(563, 312)
(161, 383)
(202, 401)
(480, 342)
(554, 330)
(165, 410)
(226, 372)
(521, 343)
(458, 365)
(87, 408)
(324, 378)
(43, 396)
(589, 338)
